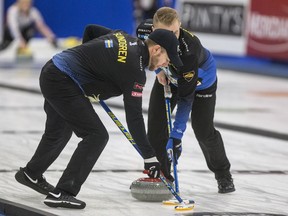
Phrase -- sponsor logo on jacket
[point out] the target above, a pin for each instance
(133, 43)
(136, 94)
(138, 86)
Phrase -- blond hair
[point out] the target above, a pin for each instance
(166, 16)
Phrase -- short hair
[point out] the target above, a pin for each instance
(166, 16)
(150, 43)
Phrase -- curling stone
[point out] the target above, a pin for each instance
(150, 190)
(71, 42)
(24, 55)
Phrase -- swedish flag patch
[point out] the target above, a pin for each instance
(108, 43)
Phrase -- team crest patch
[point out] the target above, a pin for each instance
(138, 86)
(188, 76)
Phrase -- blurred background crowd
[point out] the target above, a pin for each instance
(242, 28)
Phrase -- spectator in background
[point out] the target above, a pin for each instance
(23, 21)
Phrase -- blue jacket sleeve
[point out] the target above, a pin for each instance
(186, 91)
(184, 106)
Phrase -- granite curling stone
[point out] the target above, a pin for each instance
(150, 190)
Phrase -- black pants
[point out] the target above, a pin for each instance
(202, 118)
(67, 110)
(26, 32)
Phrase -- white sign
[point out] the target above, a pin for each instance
(219, 24)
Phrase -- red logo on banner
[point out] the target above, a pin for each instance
(268, 29)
